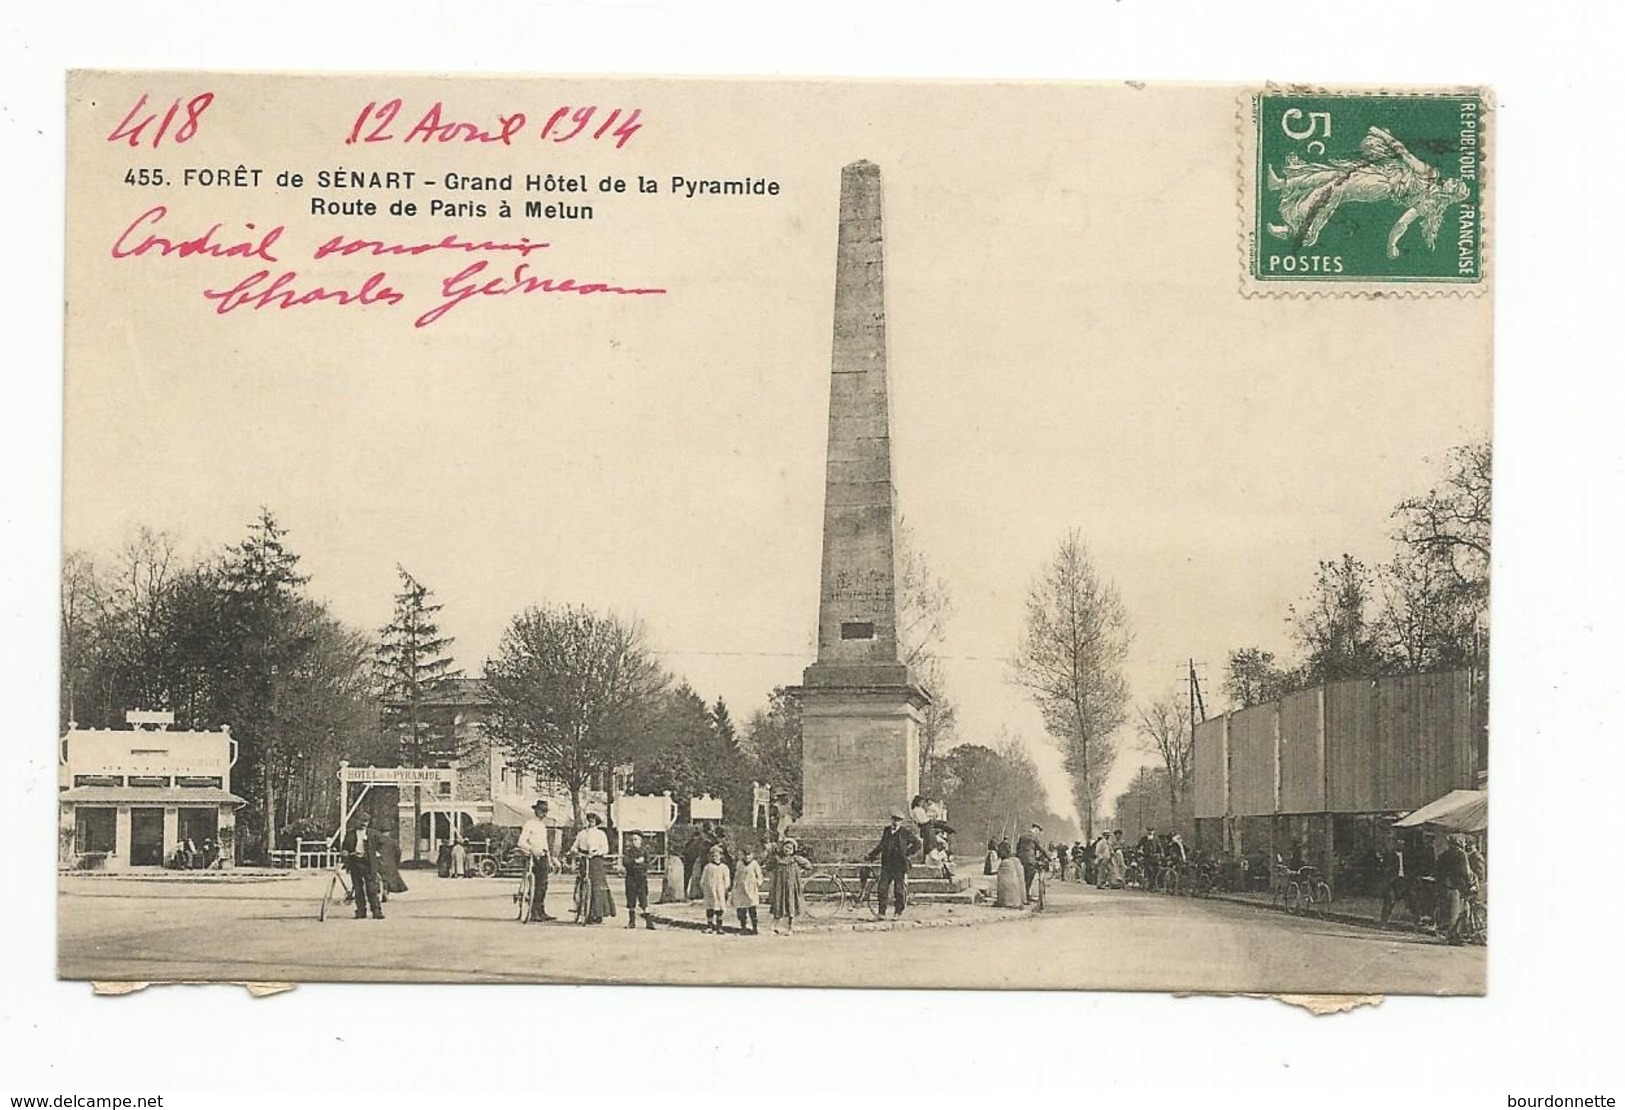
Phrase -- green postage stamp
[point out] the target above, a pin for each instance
(1362, 193)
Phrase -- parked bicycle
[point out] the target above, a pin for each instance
(1301, 890)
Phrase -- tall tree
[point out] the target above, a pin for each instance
(773, 736)
(1070, 660)
(571, 693)
(1437, 589)
(261, 584)
(1252, 677)
(1164, 728)
(413, 670)
(1333, 627)
(924, 607)
(673, 753)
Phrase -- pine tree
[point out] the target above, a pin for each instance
(413, 669)
(260, 585)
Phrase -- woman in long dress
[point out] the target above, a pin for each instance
(784, 891)
(592, 852)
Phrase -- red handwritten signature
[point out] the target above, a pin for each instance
(463, 286)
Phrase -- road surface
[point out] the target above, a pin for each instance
(464, 931)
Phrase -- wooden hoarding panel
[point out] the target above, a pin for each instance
(1303, 767)
(1252, 761)
(1208, 768)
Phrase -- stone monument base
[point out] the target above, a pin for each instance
(860, 758)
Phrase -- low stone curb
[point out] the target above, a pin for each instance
(874, 926)
(1331, 915)
(235, 876)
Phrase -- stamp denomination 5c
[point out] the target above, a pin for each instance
(1351, 193)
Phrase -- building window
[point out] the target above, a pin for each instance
(444, 789)
(160, 782)
(93, 829)
(98, 780)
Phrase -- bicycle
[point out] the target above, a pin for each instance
(820, 904)
(525, 896)
(1306, 890)
(1040, 890)
(582, 893)
(335, 883)
(340, 880)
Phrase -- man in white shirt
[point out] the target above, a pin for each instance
(533, 842)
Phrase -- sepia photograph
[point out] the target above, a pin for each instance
(701, 532)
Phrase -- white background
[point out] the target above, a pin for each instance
(1554, 965)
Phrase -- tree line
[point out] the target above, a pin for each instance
(234, 637)
(1426, 608)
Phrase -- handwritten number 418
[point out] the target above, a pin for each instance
(132, 129)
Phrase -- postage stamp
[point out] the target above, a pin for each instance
(1345, 192)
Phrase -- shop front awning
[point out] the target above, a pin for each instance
(143, 796)
(1466, 811)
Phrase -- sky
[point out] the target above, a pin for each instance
(1069, 349)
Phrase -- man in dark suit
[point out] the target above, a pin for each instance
(1028, 851)
(897, 844)
(361, 858)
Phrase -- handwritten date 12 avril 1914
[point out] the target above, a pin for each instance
(382, 122)
(268, 288)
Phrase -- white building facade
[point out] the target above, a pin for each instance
(136, 797)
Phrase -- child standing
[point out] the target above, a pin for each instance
(714, 889)
(784, 894)
(747, 891)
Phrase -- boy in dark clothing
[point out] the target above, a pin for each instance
(636, 862)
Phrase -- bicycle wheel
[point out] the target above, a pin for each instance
(527, 894)
(820, 903)
(1323, 896)
(1294, 897)
(327, 896)
(1040, 892)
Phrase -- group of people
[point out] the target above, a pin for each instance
(590, 850)
(1107, 861)
(1458, 879)
(190, 855)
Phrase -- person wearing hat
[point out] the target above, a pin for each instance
(592, 852)
(897, 843)
(361, 850)
(1455, 874)
(533, 842)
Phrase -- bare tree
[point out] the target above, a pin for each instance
(923, 608)
(1070, 659)
(1164, 729)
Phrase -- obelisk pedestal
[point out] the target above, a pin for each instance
(860, 707)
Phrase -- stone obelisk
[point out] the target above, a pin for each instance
(860, 707)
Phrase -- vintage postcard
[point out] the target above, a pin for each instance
(794, 533)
